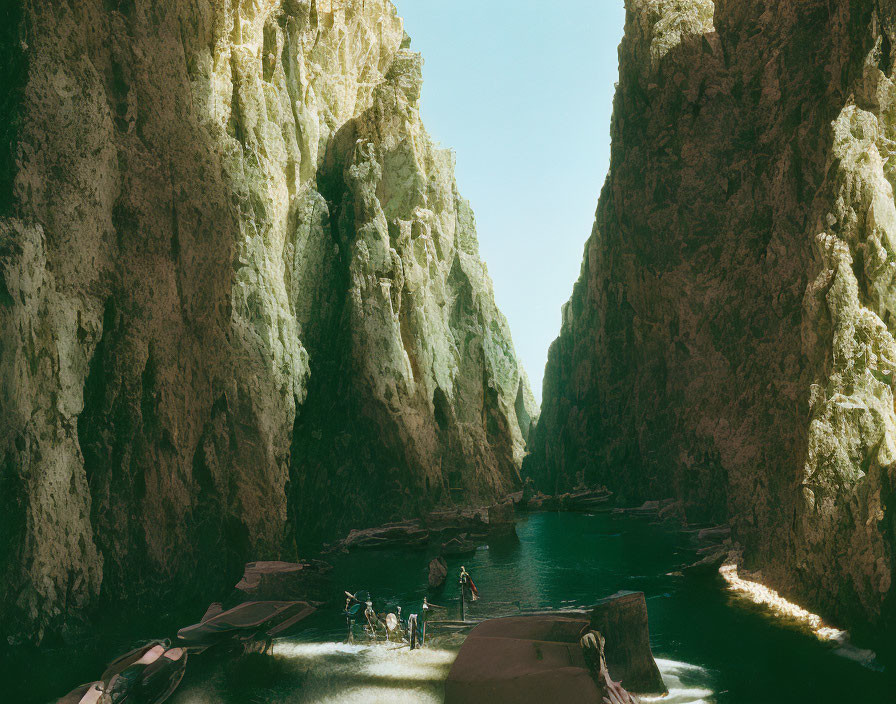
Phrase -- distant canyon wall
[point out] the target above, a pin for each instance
(241, 301)
(730, 341)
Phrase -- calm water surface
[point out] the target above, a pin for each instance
(711, 645)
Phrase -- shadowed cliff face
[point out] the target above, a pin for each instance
(241, 303)
(730, 339)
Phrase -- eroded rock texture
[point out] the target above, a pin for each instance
(241, 303)
(730, 340)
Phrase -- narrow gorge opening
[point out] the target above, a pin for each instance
(276, 407)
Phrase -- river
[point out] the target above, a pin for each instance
(711, 644)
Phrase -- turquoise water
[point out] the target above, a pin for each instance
(712, 646)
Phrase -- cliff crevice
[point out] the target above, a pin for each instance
(226, 304)
(729, 341)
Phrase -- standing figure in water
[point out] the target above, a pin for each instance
(467, 585)
(468, 590)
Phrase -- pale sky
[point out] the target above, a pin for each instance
(522, 91)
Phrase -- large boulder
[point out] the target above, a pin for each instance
(622, 619)
(460, 529)
(438, 572)
(522, 660)
(552, 657)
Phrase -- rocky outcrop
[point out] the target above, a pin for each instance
(241, 303)
(622, 621)
(730, 341)
(438, 573)
(559, 656)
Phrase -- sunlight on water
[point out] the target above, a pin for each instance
(327, 673)
(559, 561)
(309, 651)
(760, 594)
(377, 673)
(687, 684)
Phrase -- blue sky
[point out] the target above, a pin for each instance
(522, 92)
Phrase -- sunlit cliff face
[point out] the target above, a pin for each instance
(241, 300)
(735, 310)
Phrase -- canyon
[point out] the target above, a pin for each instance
(243, 311)
(242, 307)
(730, 341)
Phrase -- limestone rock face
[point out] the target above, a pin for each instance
(730, 341)
(241, 302)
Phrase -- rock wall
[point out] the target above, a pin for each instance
(241, 303)
(730, 341)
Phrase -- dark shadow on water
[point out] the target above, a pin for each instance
(712, 645)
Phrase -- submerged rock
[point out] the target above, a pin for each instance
(649, 509)
(707, 567)
(241, 298)
(458, 546)
(730, 342)
(438, 572)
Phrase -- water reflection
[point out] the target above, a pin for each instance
(712, 645)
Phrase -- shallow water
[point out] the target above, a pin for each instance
(711, 645)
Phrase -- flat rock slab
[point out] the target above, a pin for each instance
(275, 580)
(708, 566)
(438, 527)
(538, 658)
(649, 509)
(522, 660)
(585, 500)
(408, 534)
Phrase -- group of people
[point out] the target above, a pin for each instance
(359, 608)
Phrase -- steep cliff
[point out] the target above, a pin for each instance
(241, 303)
(731, 340)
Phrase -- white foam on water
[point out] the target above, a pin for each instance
(687, 683)
(384, 673)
